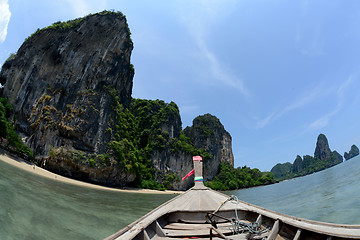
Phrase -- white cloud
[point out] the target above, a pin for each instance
(80, 7)
(309, 37)
(198, 17)
(311, 41)
(5, 15)
(320, 123)
(309, 97)
(324, 120)
(261, 123)
(85, 7)
(305, 99)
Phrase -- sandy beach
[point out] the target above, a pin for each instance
(30, 167)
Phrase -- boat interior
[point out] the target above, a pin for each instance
(202, 213)
(223, 225)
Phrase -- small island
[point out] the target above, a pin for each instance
(354, 151)
(323, 158)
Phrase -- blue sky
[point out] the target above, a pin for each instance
(276, 73)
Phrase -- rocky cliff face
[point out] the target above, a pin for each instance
(71, 84)
(208, 133)
(322, 150)
(179, 163)
(297, 165)
(59, 78)
(354, 151)
(323, 158)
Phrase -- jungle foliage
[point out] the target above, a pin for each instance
(138, 132)
(303, 166)
(230, 178)
(10, 140)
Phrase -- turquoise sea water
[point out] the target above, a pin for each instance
(332, 195)
(33, 207)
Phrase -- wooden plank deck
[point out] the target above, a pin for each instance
(186, 226)
(193, 230)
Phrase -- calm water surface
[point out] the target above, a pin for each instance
(33, 207)
(332, 195)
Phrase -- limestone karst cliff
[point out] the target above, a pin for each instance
(57, 82)
(70, 85)
(323, 152)
(323, 158)
(354, 151)
(208, 133)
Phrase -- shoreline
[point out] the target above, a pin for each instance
(30, 167)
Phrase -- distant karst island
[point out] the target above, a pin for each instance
(354, 151)
(323, 158)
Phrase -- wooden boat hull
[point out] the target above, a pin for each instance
(186, 217)
(202, 213)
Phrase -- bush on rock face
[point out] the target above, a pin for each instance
(7, 132)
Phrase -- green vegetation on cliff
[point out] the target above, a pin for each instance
(139, 130)
(10, 140)
(301, 167)
(323, 158)
(204, 125)
(76, 22)
(230, 178)
(282, 170)
(92, 129)
(354, 151)
(137, 134)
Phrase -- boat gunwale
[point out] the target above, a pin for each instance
(129, 226)
(301, 223)
(299, 219)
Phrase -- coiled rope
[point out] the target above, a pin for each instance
(237, 225)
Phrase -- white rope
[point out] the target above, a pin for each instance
(238, 226)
